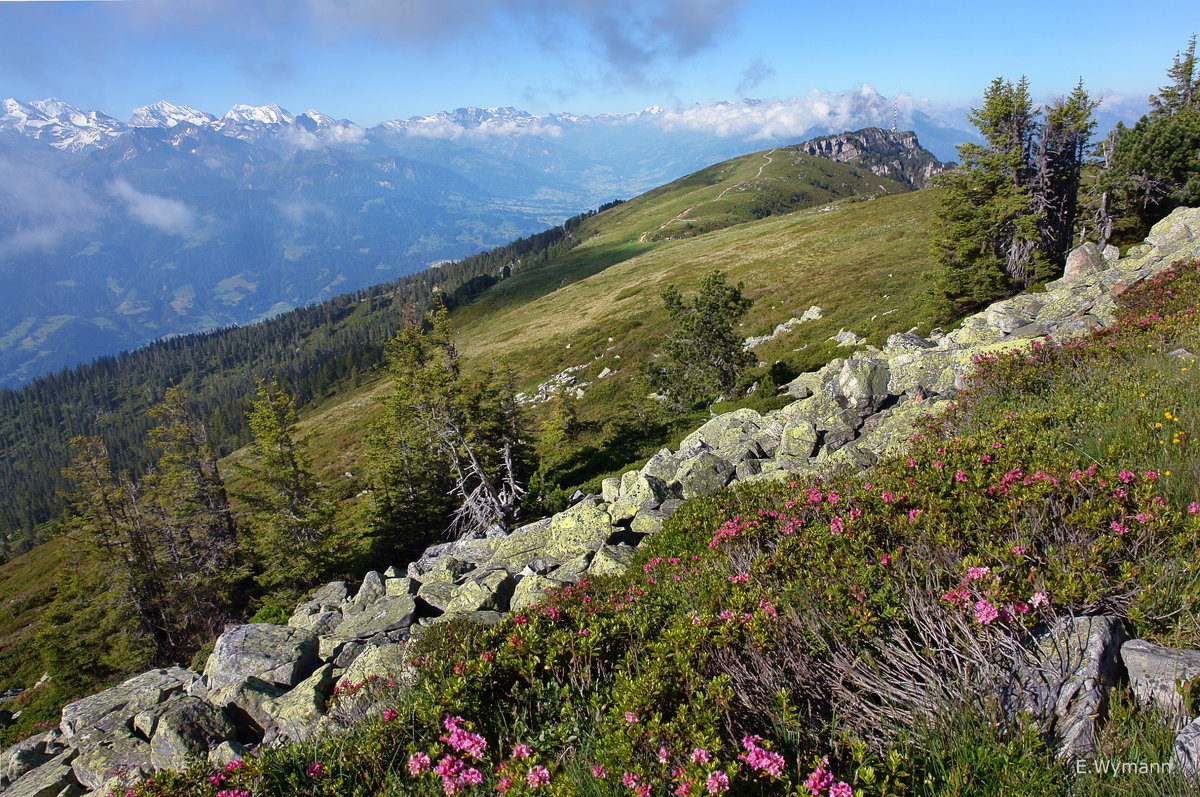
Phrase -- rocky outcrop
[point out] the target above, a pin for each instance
(887, 153)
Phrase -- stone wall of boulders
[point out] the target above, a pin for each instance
(268, 683)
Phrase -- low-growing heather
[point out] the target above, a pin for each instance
(836, 636)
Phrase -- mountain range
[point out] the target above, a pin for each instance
(114, 234)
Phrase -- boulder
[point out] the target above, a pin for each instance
(907, 341)
(488, 592)
(298, 713)
(382, 662)
(249, 705)
(650, 521)
(798, 441)
(1157, 675)
(860, 386)
(703, 474)
(436, 593)
(54, 778)
(226, 752)
(1185, 752)
(638, 491)
(611, 560)
(1067, 676)
(111, 759)
(530, 590)
(396, 587)
(29, 754)
(380, 616)
(274, 653)
(371, 589)
(1084, 260)
(726, 434)
(114, 708)
(663, 465)
(188, 727)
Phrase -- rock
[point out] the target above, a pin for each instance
(297, 713)
(861, 386)
(114, 708)
(51, 779)
(906, 341)
(847, 338)
(611, 560)
(1185, 752)
(650, 521)
(638, 491)
(703, 474)
(1084, 260)
(371, 589)
(610, 489)
(381, 662)
(381, 616)
(249, 705)
(1156, 675)
(273, 653)
(530, 590)
(29, 754)
(798, 441)
(488, 592)
(397, 587)
(1066, 680)
(113, 758)
(727, 434)
(188, 727)
(436, 593)
(225, 752)
(573, 570)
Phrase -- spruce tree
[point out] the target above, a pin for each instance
(703, 357)
(290, 526)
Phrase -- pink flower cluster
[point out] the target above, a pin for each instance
(821, 779)
(766, 762)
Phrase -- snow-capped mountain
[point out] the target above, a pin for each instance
(59, 124)
(166, 114)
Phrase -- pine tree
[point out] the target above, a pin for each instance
(291, 522)
(703, 357)
(1006, 216)
(450, 451)
(1154, 167)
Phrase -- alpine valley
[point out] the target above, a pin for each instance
(113, 234)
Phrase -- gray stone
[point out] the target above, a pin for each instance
(574, 569)
(188, 727)
(1067, 676)
(488, 592)
(1158, 675)
(249, 703)
(610, 489)
(650, 521)
(274, 653)
(54, 777)
(611, 560)
(379, 662)
(727, 434)
(798, 440)
(848, 338)
(436, 593)
(1185, 752)
(664, 465)
(384, 614)
(703, 474)
(113, 708)
(638, 491)
(226, 752)
(907, 341)
(860, 386)
(114, 757)
(29, 754)
(297, 713)
(530, 590)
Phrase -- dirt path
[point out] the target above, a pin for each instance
(682, 215)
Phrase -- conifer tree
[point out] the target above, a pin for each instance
(1006, 215)
(703, 357)
(291, 522)
(1154, 167)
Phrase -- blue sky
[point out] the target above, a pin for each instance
(371, 60)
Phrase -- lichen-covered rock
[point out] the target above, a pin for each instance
(249, 704)
(487, 592)
(1157, 675)
(611, 560)
(798, 441)
(113, 758)
(114, 708)
(381, 616)
(297, 714)
(663, 465)
(860, 386)
(726, 434)
(530, 590)
(638, 491)
(274, 653)
(188, 727)
(1084, 260)
(649, 521)
(54, 778)
(29, 754)
(1185, 752)
(703, 474)
(436, 593)
(396, 587)
(907, 341)
(1071, 669)
(371, 589)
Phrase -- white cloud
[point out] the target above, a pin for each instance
(44, 207)
(167, 215)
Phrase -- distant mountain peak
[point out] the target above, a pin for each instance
(168, 114)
